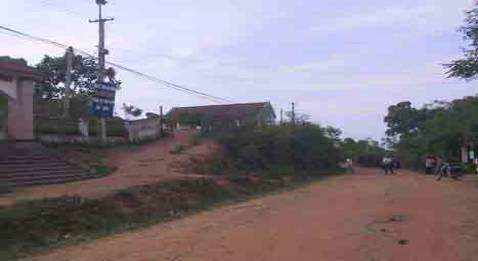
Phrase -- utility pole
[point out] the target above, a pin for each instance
(69, 68)
(293, 114)
(161, 121)
(102, 52)
(281, 116)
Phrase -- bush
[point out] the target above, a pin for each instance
(303, 148)
(56, 126)
(114, 127)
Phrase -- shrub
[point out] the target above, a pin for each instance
(115, 127)
(280, 147)
(56, 126)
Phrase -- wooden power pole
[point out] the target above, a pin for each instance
(281, 116)
(161, 121)
(293, 114)
(102, 52)
(69, 55)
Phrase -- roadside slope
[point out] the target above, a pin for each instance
(362, 217)
(140, 165)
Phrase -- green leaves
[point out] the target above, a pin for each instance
(440, 129)
(467, 68)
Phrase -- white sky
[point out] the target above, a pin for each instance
(343, 62)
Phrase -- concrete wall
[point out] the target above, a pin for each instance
(142, 130)
(20, 108)
(8, 88)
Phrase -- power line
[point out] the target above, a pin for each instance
(168, 84)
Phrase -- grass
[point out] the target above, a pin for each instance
(38, 225)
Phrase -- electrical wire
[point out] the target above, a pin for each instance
(165, 83)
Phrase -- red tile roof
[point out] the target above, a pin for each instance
(13, 68)
(222, 112)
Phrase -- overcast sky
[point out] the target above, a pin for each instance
(343, 62)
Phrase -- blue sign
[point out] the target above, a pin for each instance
(103, 102)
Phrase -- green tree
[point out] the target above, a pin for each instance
(441, 129)
(84, 76)
(467, 67)
(131, 110)
(402, 118)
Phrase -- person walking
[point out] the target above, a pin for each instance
(429, 164)
(475, 162)
(438, 165)
(349, 165)
(387, 165)
(444, 171)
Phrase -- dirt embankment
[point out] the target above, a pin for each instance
(136, 165)
(366, 217)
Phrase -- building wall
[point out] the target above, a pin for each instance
(20, 108)
(141, 130)
(8, 88)
(3, 117)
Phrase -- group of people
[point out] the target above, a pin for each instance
(433, 164)
(436, 165)
(389, 164)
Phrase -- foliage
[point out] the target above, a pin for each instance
(54, 69)
(365, 152)
(192, 119)
(131, 110)
(53, 108)
(37, 225)
(56, 126)
(440, 128)
(467, 67)
(115, 127)
(305, 148)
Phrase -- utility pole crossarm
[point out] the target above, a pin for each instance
(102, 52)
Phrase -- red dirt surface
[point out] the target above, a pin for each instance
(142, 165)
(366, 216)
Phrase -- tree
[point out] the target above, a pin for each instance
(440, 128)
(84, 76)
(333, 133)
(402, 118)
(467, 67)
(131, 110)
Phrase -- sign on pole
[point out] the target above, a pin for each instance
(103, 102)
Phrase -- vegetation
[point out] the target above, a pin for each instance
(36, 225)
(279, 150)
(131, 110)
(114, 127)
(367, 153)
(440, 128)
(54, 69)
(467, 67)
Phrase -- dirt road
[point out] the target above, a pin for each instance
(366, 217)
